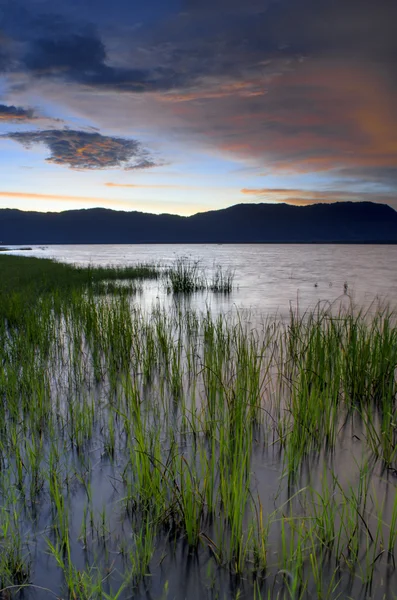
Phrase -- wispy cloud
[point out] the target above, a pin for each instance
(153, 186)
(38, 196)
(304, 197)
(211, 90)
(15, 114)
(40, 200)
(21, 115)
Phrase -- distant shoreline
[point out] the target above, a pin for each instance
(6, 249)
(261, 243)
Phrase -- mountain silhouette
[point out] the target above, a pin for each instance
(341, 222)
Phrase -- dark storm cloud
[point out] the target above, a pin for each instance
(82, 150)
(80, 58)
(222, 40)
(359, 30)
(12, 114)
(226, 5)
(74, 53)
(171, 54)
(3, 60)
(59, 46)
(22, 21)
(204, 38)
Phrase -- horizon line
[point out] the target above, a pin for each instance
(157, 214)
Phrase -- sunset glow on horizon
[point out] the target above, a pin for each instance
(187, 106)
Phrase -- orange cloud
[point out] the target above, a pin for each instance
(12, 119)
(35, 196)
(151, 186)
(86, 150)
(244, 89)
(146, 206)
(15, 114)
(162, 186)
(322, 115)
(305, 197)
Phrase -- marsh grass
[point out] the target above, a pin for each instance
(128, 438)
(222, 280)
(187, 276)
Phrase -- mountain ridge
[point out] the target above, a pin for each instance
(340, 222)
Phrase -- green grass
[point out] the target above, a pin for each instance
(38, 276)
(130, 438)
(187, 276)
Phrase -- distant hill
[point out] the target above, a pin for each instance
(349, 222)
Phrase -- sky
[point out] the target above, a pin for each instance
(183, 106)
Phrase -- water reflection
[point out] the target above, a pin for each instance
(270, 278)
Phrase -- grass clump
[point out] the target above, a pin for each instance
(186, 276)
(222, 280)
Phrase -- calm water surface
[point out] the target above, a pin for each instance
(269, 278)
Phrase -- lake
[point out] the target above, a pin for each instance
(154, 450)
(269, 278)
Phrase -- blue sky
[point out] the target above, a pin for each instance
(185, 105)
